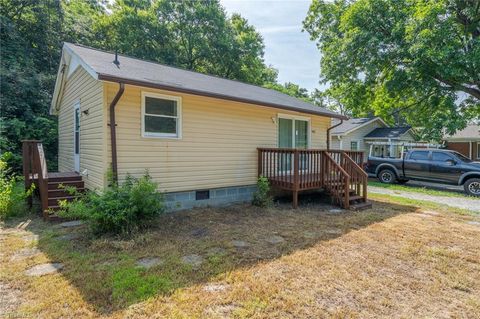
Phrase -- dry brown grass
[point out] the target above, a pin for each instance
(390, 261)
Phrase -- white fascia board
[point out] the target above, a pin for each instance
(69, 62)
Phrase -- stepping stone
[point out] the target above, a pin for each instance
(474, 223)
(335, 210)
(193, 260)
(424, 215)
(239, 243)
(430, 212)
(70, 236)
(73, 223)
(275, 240)
(25, 253)
(149, 262)
(215, 287)
(43, 269)
(214, 251)
(334, 231)
(310, 234)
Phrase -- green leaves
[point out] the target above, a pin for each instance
(415, 61)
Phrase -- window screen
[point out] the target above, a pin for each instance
(161, 117)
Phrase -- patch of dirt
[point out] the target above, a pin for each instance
(10, 300)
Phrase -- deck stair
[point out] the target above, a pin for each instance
(51, 187)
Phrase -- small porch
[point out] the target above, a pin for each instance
(339, 173)
(50, 186)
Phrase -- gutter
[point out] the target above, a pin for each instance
(113, 131)
(109, 78)
(328, 133)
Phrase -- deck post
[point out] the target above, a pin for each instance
(259, 168)
(27, 169)
(296, 181)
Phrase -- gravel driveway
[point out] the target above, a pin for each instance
(459, 202)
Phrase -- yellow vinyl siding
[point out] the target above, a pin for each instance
(218, 144)
(81, 86)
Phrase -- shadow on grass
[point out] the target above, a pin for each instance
(105, 272)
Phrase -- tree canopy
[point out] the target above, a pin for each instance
(192, 34)
(416, 60)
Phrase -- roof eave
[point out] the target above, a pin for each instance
(110, 78)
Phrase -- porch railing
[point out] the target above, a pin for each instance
(301, 169)
(35, 171)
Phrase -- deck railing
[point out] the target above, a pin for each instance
(302, 169)
(35, 171)
(356, 156)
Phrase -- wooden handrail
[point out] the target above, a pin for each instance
(358, 176)
(339, 185)
(35, 171)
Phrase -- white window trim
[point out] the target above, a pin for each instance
(358, 145)
(177, 99)
(296, 117)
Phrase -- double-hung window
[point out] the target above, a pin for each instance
(161, 116)
(354, 145)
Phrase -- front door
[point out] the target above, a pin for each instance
(292, 133)
(76, 137)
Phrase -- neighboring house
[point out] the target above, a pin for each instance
(197, 135)
(350, 134)
(466, 142)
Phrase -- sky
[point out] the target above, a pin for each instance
(287, 48)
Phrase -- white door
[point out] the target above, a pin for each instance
(76, 137)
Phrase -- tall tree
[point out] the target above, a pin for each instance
(414, 59)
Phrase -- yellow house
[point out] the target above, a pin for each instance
(197, 135)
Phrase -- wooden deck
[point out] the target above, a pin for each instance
(295, 170)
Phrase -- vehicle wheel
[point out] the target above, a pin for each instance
(472, 187)
(387, 176)
(402, 181)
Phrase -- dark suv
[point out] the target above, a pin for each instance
(438, 166)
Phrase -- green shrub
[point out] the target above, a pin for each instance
(119, 209)
(262, 197)
(12, 192)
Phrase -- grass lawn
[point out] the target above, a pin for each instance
(398, 259)
(417, 189)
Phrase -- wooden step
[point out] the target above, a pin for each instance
(361, 206)
(53, 201)
(351, 191)
(355, 198)
(65, 178)
(55, 185)
(62, 192)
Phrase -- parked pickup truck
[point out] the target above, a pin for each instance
(431, 165)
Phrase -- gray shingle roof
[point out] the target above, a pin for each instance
(349, 125)
(388, 132)
(145, 73)
(470, 132)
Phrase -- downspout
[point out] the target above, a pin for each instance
(328, 133)
(113, 132)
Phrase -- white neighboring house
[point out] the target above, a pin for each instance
(357, 134)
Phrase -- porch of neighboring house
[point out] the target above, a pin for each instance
(339, 173)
